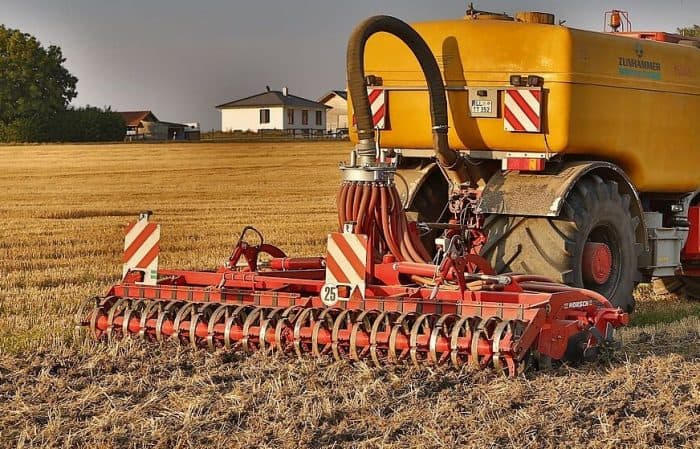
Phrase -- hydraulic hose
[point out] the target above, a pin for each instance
(448, 158)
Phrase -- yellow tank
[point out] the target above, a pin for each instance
(608, 97)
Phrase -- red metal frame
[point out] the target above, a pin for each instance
(452, 321)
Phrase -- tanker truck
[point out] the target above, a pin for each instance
(577, 147)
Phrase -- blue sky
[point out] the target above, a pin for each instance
(180, 58)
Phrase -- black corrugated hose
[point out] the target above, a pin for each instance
(447, 157)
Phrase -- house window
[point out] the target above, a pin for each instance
(264, 116)
(290, 116)
(304, 117)
(319, 118)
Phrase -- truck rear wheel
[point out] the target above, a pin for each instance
(591, 245)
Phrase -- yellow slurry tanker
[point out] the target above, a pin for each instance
(580, 146)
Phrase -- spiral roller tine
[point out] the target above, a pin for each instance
(422, 325)
(366, 327)
(359, 321)
(345, 317)
(304, 318)
(270, 319)
(382, 322)
(478, 333)
(222, 311)
(461, 329)
(195, 316)
(227, 332)
(97, 311)
(253, 317)
(81, 314)
(500, 331)
(181, 313)
(132, 307)
(282, 330)
(165, 313)
(487, 327)
(116, 308)
(147, 314)
(237, 317)
(325, 321)
(401, 325)
(203, 316)
(438, 330)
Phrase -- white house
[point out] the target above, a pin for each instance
(273, 110)
(337, 115)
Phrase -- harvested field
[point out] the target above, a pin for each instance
(61, 217)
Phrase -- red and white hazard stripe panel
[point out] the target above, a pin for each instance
(141, 249)
(378, 104)
(377, 101)
(522, 110)
(346, 265)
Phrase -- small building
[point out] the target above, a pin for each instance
(337, 114)
(144, 125)
(192, 131)
(273, 110)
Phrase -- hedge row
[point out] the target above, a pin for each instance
(87, 124)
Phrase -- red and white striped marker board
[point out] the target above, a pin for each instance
(378, 104)
(346, 266)
(141, 249)
(522, 110)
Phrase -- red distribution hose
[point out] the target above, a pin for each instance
(362, 210)
(356, 201)
(369, 205)
(342, 195)
(369, 223)
(349, 201)
(388, 237)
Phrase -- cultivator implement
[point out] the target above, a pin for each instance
(377, 294)
(408, 311)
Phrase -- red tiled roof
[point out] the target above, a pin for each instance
(134, 118)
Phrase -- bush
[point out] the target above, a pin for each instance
(88, 124)
(24, 129)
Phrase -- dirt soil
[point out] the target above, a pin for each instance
(135, 395)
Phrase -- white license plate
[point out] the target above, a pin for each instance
(482, 107)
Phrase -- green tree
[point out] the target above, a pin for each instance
(693, 31)
(34, 86)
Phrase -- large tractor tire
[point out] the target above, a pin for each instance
(591, 245)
